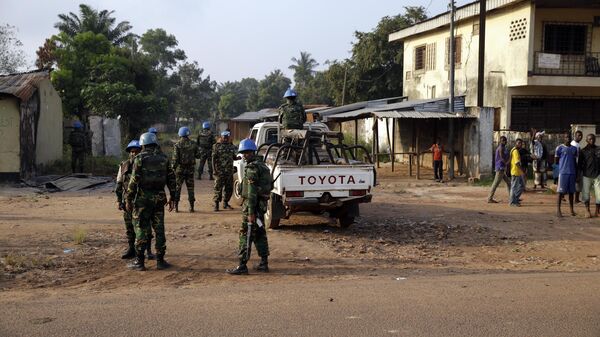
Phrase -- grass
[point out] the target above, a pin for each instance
(487, 181)
(15, 261)
(79, 235)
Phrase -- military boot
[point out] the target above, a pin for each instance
(161, 263)
(176, 206)
(242, 269)
(149, 251)
(263, 266)
(227, 206)
(130, 253)
(138, 263)
(191, 207)
(216, 208)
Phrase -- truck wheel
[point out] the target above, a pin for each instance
(237, 197)
(345, 220)
(273, 213)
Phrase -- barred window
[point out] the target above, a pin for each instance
(565, 38)
(457, 50)
(420, 57)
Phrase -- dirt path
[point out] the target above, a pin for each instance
(421, 228)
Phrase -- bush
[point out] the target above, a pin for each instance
(79, 235)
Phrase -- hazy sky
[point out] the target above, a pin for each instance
(229, 39)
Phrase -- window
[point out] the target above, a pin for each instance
(271, 136)
(457, 50)
(420, 57)
(432, 91)
(253, 135)
(430, 56)
(560, 38)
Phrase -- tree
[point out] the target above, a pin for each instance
(375, 68)
(76, 57)
(46, 54)
(195, 96)
(318, 90)
(271, 90)
(12, 56)
(122, 86)
(161, 48)
(236, 97)
(304, 69)
(98, 22)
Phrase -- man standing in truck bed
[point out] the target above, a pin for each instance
(291, 114)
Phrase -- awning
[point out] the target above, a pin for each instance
(409, 114)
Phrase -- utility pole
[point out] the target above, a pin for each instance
(344, 87)
(451, 55)
(481, 62)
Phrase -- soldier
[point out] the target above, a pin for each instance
(78, 142)
(185, 153)
(206, 140)
(155, 131)
(122, 178)
(291, 113)
(146, 198)
(223, 155)
(256, 188)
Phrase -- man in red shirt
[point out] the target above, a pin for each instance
(437, 149)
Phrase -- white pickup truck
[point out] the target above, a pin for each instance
(318, 174)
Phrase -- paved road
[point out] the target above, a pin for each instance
(466, 305)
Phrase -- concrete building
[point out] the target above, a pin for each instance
(542, 65)
(31, 124)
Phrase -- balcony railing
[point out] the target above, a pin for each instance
(587, 64)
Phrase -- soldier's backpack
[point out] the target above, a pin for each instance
(77, 141)
(187, 153)
(154, 171)
(205, 140)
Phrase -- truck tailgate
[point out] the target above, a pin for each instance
(324, 178)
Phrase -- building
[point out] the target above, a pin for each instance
(31, 124)
(542, 57)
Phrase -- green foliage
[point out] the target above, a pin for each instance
(161, 48)
(304, 69)
(270, 91)
(234, 96)
(195, 96)
(12, 56)
(79, 235)
(97, 22)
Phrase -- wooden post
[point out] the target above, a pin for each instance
(377, 140)
(355, 136)
(418, 154)
(393, 142)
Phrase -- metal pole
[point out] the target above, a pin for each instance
(344, 87)
(393, 142)
(481, 62)
(451, 108)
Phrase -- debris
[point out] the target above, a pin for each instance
(209, 234)
(326, 231)
(592, 256)
(400, 278)
(68, 250)
(330, 299)
(307, 259)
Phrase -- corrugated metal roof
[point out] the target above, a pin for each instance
(251, 116)
(418, 114)
(462, 12)
(22, 85)
(359, 105)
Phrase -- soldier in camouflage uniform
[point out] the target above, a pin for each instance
(185, 153)
(291, 113)
(206, 140)
(123, 178)
(155, 131)
(146, 199)
(223, 155)
(256, 188)
(78, 142)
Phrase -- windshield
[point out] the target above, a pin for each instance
(253, 135)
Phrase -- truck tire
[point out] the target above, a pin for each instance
(237, 197)
(345, 220)
(270, 221)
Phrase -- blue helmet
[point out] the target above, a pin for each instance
(134, 144)
(184, 131)
(247, 145)
(290, 93)
(225, 133)
(153, 130)
(206, 125)
(77, 125)
(148, 138)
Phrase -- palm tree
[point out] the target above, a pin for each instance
(304, 68)
(92, 20)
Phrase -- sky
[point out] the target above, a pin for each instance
(230, 39)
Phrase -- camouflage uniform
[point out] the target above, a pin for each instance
(78, 141)
(292, 115)
(223, 155)
(206, 140)
(256, 188)
(123, 178)
(146, 192)
(185, 153)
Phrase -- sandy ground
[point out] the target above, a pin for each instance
(418, 227)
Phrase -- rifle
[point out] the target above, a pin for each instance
(259, 222)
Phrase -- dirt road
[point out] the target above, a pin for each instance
(418, 229)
